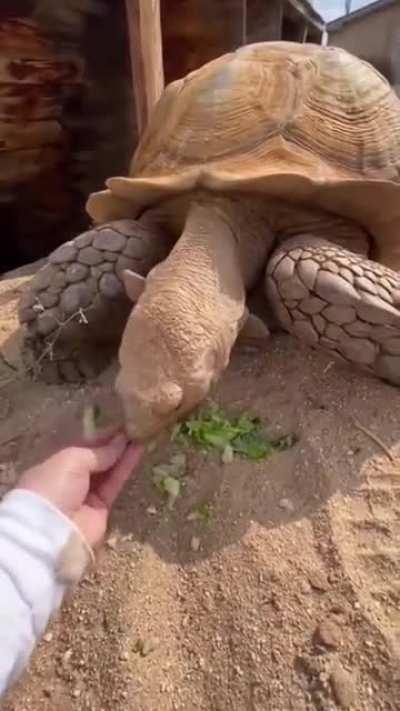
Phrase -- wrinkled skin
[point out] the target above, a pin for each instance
(155, 394)
(180, 334)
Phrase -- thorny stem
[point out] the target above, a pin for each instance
(48, 350)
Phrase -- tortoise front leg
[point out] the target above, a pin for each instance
(76, 308)
(338, 300)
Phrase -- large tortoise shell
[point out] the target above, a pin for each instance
(304, 123)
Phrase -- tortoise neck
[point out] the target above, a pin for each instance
(208, 218)
(205, 263)
(210, 246)
(198, 292)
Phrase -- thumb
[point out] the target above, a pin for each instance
(100, 459)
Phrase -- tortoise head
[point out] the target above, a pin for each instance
(163, 372)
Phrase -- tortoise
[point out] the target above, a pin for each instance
(277, 164)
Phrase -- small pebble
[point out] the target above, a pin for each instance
(146, 646)
(112, 542)
(287, 505)
(124, 656)
(329, 634)
(195, 544)
(228, 455)
(343, 687)
(304, 587)
(152, 511)
(76, 693)
(67, 656)
(318, 580)
(48, 637)
(338, 609)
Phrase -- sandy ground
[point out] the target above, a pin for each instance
(291, 601)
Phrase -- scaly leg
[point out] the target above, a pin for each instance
(341, 301)
(76, 308)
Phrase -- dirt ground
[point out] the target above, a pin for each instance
(291, 601)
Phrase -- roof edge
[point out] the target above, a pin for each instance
(306, 9)
(358, 14)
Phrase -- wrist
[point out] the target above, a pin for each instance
(70, 553)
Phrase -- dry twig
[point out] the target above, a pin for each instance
(49, 348)
(375, 439)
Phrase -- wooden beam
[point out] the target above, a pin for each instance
(145, 40)
(244, 22)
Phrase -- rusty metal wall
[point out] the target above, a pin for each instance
(34, 85)
(197, 31)
(35, 187)
(65, 117)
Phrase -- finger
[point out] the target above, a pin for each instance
(100, 459)
(111, 484)
(100, 438)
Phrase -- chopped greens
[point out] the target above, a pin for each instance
(91, 419)
(172, 488)
(202, 513)
(166, 477)
(243, 435)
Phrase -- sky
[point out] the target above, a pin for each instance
(329, 9)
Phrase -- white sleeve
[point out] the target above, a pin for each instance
(41, 554)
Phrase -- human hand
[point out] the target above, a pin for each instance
(83, 482)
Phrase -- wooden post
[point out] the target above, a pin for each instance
(145, 40)
(244, 22)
